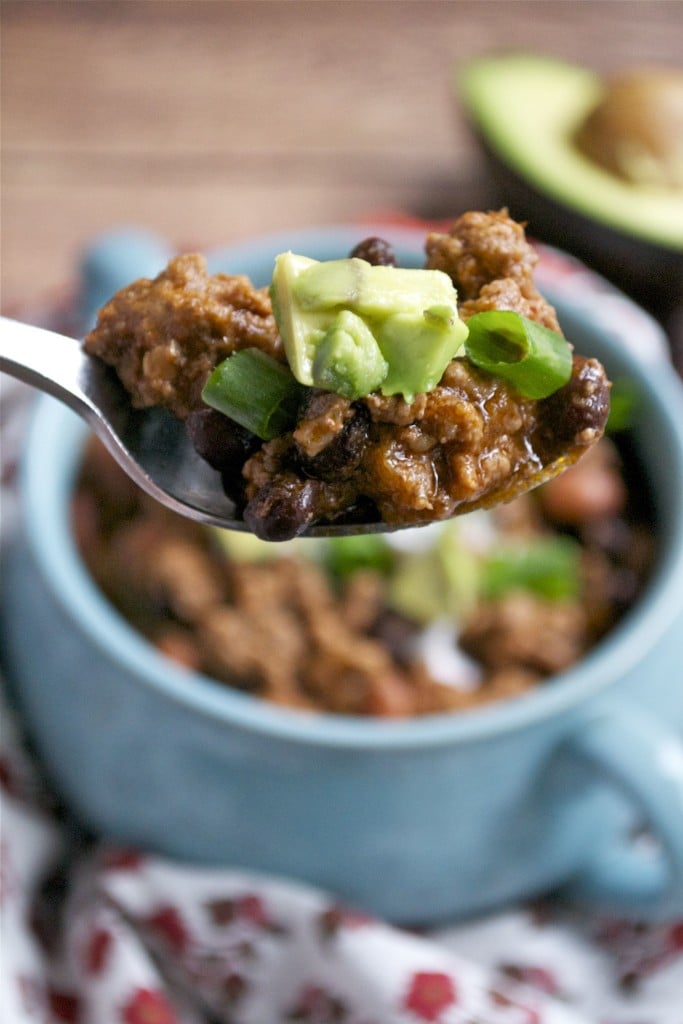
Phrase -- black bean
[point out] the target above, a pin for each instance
(582, 404)
(363, 510)
(397, 633)
(234, 486)
(221, 442)
(342, 455)
(283, 508)
(376, 251)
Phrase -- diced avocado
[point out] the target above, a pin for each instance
(371, 291)
(348, 359)
(354, 328)
(418, 589)
(331, 284)
(418, 350)
(300, 330)
(439, 581)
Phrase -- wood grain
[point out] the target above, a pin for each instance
(210, 121)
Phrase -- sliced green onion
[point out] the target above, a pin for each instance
(256, 391)
(548, 567)
(534, 359)
(623, 404)
(346, 555)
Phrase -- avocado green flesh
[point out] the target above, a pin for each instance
(371, 291)
(353, 328)
(528, 109)
(417, 352)
(299, 329)
(348, 359)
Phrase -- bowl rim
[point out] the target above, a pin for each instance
(49, 462)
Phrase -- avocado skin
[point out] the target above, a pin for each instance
(651, 274)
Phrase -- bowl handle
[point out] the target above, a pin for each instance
(644, 759)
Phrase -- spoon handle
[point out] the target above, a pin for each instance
(51, 362)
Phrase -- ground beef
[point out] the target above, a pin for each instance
(521, 629)
(491, 264)
(164, 336)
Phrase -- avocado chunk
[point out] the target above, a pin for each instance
(348, 359)
(300, 329)
(418, 349)
(529, 110)
(353, 328)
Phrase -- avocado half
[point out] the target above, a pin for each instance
(526, 111)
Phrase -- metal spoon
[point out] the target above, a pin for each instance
(153, 447)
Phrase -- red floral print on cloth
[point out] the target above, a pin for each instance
(218, 956)
(639, 949)
(64, 1006)
(168, 924)
(252, 908)
(97, 951)
(315, 1005)
(234, 987)
(248, 908)
(529, 1015)
(122, 859)
(148, 1006)
(48, 1002)
(429, 994)
(529, 974)
(214, 970)
(337, 917)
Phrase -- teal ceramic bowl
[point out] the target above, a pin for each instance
(419, 820)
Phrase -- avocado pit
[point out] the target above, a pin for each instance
(635, 130)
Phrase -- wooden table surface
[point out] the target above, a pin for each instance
(211, 121)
